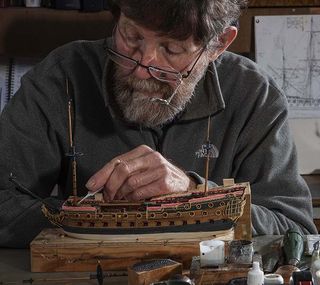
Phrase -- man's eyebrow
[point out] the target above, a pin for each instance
(184, 45)
(187, 47)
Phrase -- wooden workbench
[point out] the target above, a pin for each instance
(15, 267)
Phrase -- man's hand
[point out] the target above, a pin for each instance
(139, 174)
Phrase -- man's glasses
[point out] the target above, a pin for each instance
(164, 75)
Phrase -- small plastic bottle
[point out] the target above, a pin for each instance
(315, 262)
(317, 278)
(255, 275)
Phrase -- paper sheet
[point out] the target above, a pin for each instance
(288, 48)
(306, 134)
(4, 78)
(19, 67)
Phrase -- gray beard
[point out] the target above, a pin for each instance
(138, 108)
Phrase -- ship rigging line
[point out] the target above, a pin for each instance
(207, 158)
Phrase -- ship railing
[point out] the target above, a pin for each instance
(234, 208)
(55, 219)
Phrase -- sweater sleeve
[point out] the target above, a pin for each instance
(34, 136)
(280, 197)
(28, 145)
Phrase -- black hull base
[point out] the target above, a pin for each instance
(203, 227)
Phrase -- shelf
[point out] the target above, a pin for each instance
(33, 32)
(283, 3)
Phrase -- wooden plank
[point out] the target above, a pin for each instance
(316, 202)
(313, 181)
(243, 229)
(283, 3)
(317, 223)
(149, 275)
(52, 251)
(221, 276)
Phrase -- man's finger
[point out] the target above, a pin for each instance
(101, 177)
(145, 192)
(139, 179)
(120, 174)
(98, 180)
(150, 161)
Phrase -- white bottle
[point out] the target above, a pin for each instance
(315, 262)
(32, 3)
(317, 278)
(255, 275)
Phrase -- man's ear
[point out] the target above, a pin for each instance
(225, 40)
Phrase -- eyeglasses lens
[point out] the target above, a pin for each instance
(164, 75)
(121, 60)
(158, 73)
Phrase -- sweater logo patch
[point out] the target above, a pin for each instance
(207, 150)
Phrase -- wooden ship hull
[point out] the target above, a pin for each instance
(216, 211)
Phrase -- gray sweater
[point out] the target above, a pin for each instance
(248, 126)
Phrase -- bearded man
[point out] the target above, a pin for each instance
(142, 100)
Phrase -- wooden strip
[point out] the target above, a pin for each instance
(283, 3)
(53, 251)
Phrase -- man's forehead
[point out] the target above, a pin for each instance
(189, 43)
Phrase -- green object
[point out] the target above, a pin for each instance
(293, 247)
(315, 261)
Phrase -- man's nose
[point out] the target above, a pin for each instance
(148, 57)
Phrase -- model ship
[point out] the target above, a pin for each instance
(218, 210)
(202, 210)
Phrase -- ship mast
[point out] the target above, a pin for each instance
(207, 150)
(72, 153)
(207, 147)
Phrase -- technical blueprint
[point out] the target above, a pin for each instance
(288, 48)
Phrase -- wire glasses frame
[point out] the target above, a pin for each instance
(156, 72)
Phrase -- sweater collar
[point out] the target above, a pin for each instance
(208, 99)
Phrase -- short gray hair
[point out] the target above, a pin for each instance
(205, 20)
